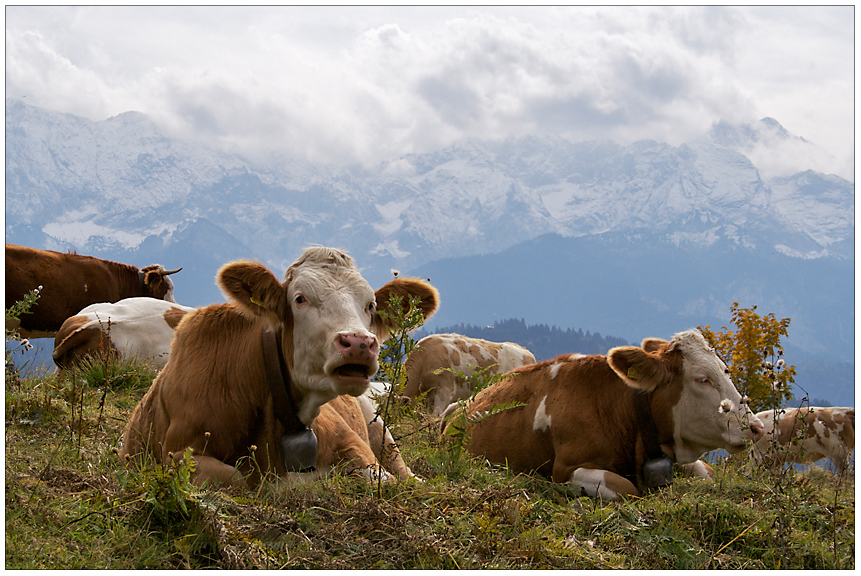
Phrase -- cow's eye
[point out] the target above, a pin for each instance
(372, 307)
(704, 381)
(300, 299)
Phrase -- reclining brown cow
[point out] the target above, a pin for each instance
(600, 422)
(246, 379)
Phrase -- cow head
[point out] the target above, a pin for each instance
(692, 383)
(158, 285)
(327, 315)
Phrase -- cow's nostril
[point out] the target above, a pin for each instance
(756, 431)
(357, 342)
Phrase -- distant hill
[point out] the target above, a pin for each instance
(545, 342)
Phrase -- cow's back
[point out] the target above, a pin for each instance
(29, 268)
(139, 327)
(431, 367)
(584, 389)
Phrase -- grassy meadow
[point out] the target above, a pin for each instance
(70, 504)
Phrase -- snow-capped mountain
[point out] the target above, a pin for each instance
(122, 189)
(119, 181)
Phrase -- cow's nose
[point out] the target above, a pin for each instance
(756, 430)
(357, 345)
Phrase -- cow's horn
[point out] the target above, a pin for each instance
(167, 272)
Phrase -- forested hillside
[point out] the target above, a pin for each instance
(544, 341)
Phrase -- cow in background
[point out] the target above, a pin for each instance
(805, 435)
(601, 422)
(461, 353)
(141, 328)
(70, 282)
(247, 379)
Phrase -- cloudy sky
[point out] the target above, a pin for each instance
(365, 84)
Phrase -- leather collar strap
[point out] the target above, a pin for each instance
(144, 287)
(279, 384)
(646, 424)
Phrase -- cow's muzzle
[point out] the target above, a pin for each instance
(358, 361)
(756, 430)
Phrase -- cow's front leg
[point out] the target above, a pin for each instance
(599, 483)
(387, 451)
(210, 470)
(698, 469)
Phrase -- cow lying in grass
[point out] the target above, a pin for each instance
(141, 328)
(602, 423)
(806, 435)
(461, 353)
(246, 380)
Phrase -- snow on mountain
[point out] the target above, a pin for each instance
(120, 181)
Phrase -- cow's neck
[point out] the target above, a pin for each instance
(657, 468)
(142, 280)
(130, 281)
(646, 424)
(278, 376)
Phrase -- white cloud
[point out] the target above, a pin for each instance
(345, 84)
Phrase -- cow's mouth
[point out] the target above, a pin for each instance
(353, 378)
(735, 448)
(353, 371)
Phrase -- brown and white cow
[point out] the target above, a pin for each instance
(139, 328)
(217, 395)
(70, 282)
(461, 353)
(578, 422)
(805, 435)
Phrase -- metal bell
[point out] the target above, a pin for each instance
(658, 472)
(300, 450)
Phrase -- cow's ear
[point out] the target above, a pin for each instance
(152, 280)
(654, 344)
(427, 295)
(255, 289)
(638, 368)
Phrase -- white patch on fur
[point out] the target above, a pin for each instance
(554, 369)
(542, 418)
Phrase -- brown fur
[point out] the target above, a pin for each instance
(601, 418)
(70, 283)
(174, 316)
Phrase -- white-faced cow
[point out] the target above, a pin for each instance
(139, 328)
(805, 435)
(460, 353)
(614, 425)
(70, 282)
(246, 379)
